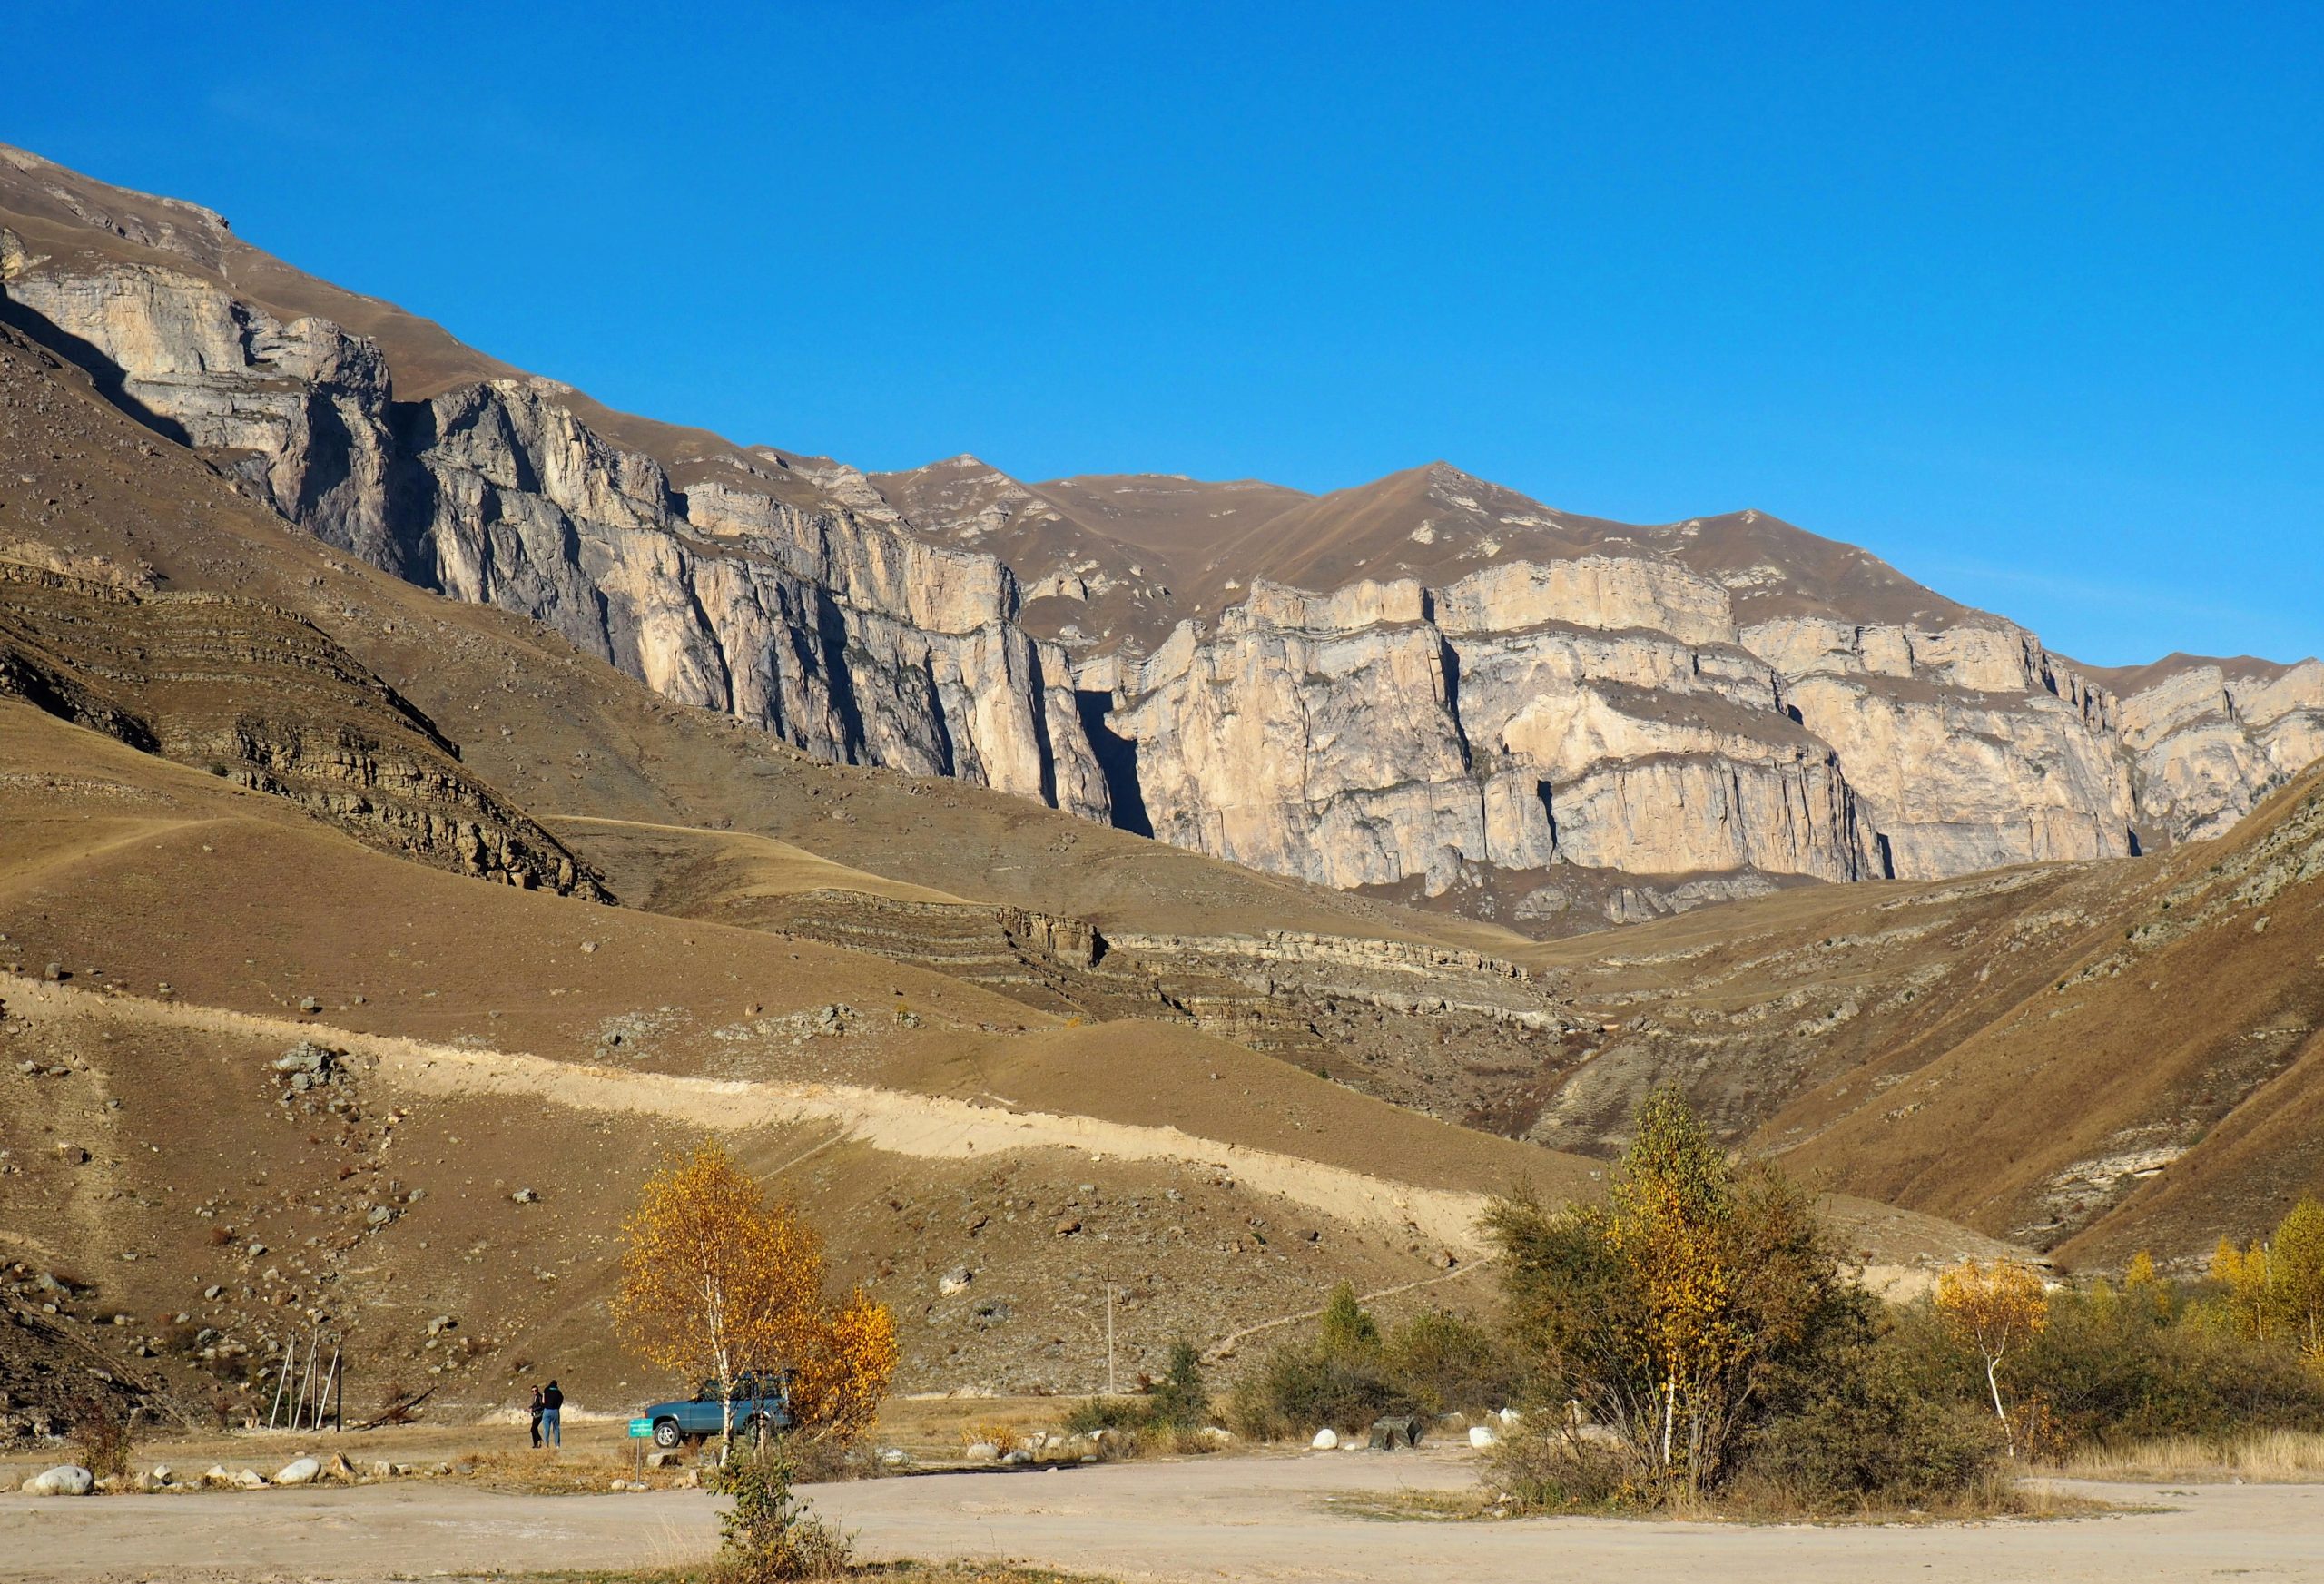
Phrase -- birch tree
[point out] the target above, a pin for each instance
(716, 1282)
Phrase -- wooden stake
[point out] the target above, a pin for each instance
(281, 1388)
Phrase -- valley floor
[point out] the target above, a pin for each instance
(1288, 1517)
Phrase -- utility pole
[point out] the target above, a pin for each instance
(1109, 1339)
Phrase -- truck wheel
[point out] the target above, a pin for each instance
(754, 1429)
(666, 1433)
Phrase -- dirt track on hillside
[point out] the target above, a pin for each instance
(929, 1127)
(1272, 1518)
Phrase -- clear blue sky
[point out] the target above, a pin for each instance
(2024, 297)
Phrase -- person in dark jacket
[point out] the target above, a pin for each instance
(552, 1415)
(540, 1408)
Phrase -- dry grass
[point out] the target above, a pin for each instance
(2001, 1498)
(2269, 1457)
(897, 1572)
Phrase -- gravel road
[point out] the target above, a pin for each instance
(1248, 1518)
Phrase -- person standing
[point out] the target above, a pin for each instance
(552, 1416)
(540, 1406)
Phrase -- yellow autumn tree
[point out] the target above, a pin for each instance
(2274, 1291)
(2248, 1290)
(1670, 1312)
(2298, 1259)
(1669, 1216)
(1994, 1308)
(717, 1283)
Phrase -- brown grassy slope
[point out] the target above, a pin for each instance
(133, 874)
(558, 732)
(239, 905)
(251, 693)
(489, 1052)
(2090, 1058)
(2162, 1089)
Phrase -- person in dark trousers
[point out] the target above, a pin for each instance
(552, 1416)
(540, 1407)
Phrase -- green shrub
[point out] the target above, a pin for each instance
(1181, 1400)
(1859, 1428)
(2110, 1368)
(1445, 1362)
(1543, 1465)
(1301, 1387)
(1115, 1414)
(768, 1533)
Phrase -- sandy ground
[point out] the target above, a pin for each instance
(1267, 1518)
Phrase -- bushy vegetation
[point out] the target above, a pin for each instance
(1350, 1371)
(1697, 1330)
(1694, 1339)
(768, 1533)
(102, 1438)
(1169, 1416)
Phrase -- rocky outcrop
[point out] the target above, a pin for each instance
(855, 642)
(255, 695)
(2211, 739)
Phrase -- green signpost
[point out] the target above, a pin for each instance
(639, 1429)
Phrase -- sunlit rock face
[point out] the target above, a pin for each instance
(826, 626)
(1448, 683)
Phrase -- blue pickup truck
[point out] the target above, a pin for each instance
(762, 1404)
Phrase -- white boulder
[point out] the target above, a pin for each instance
(1481, 1435)
(1325, 1441)
(64, 1480)
(300, 1472)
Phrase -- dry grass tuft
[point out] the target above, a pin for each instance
(2268, 1456)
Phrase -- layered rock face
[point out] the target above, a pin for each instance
(1431, 685)
(255, 695)
(851, 640)
(2209, 738)
(1608, 712)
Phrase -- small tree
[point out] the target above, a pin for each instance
(716, 1282)
(1182, 1401)
(2298, 1263)
(1345, 1325)
(2249, 1297)
(1993, 1308)
(1668, 1314)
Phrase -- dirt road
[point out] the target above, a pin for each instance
(1268, 1518)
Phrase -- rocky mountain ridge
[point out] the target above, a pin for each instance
(1431, 685)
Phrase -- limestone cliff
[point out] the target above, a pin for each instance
(1431, 685)
(853, 641)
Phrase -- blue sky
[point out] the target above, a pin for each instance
(2024, 299)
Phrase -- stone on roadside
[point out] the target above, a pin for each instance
(251, 1480)
(981, 1452)
(64, 1480)
(1481, 1435)
(1325, 1441)
(298, 1472)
